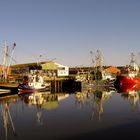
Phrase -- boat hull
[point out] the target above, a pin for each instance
(9, 86)
(29, 89)
(127, 83)
(121, 80)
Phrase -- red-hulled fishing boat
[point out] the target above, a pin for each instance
(128, 76)
(126, 80)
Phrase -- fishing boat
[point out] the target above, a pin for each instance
(22, 88)
(128, 76)
(31, 84)
(126, 80)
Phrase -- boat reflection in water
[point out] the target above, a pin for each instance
(95, 99)
(133, 98)
(131, 92)
(43, 100)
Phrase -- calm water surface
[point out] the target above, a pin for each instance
(82, 115)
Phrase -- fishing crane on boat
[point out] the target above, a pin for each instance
(97, 63)
(7, 59)
(99, 59)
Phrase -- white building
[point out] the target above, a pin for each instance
(62, 70)
(55, 69)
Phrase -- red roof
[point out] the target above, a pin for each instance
(112, 70)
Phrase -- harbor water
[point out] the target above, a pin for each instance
(87, 114)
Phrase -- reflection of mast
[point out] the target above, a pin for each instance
(98, 98)
(39, 117)
(5, 122)
(6, 118)
(95, 100)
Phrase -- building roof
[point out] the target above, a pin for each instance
(112, 69)
(27, 64)
(51, 66)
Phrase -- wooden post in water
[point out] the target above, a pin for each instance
(58, 86)
(55, 85)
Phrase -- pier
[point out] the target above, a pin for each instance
(65, 85)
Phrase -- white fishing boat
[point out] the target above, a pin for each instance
(32, 84)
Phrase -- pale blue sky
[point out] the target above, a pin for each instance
(69, 29)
